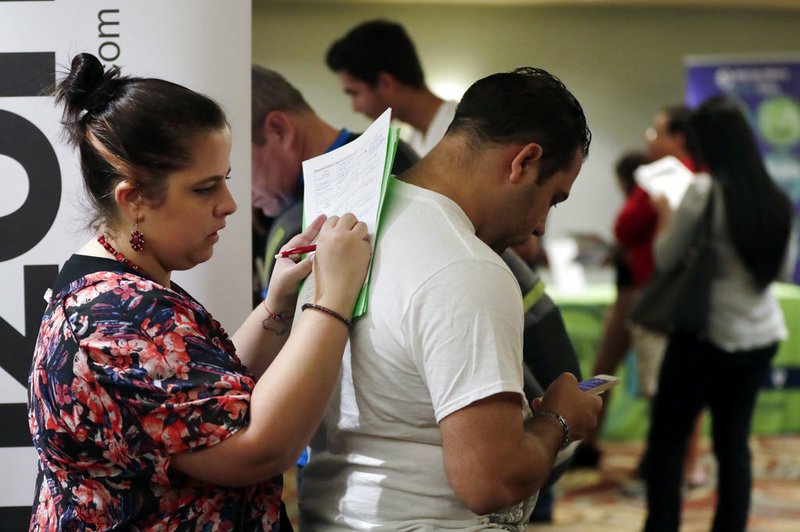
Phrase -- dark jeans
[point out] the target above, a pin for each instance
(696, 374)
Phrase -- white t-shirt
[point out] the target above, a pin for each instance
(443, 330)
(423, 143)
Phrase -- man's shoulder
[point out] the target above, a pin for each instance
(435, 233)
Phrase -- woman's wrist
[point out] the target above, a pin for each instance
(281, 303)
(346, 320)
(340, 305)
(277, 321)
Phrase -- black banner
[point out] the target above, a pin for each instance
(27, 73)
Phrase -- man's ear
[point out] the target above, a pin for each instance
(129, 200)
(386, 83)
(278, 126)
(528, 155)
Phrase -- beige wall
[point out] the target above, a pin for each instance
(621, 63)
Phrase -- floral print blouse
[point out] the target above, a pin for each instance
(127, 373)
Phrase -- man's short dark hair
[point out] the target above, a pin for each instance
(377, 46)
(626, 166)
(272, 92)
(679, 121)
(523, 106)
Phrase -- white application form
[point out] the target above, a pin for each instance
(666, 176)
(351, 178)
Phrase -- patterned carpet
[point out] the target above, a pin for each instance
(610, 500)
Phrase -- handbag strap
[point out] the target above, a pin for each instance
(702, 233)
(708, 214)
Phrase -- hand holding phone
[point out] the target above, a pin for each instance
(598, 384)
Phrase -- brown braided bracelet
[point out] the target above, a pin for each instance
(346, 321)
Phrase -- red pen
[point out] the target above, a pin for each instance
(299, 250)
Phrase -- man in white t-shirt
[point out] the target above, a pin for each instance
(378, 67)
(428, 428)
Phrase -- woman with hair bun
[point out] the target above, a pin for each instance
(144, 413)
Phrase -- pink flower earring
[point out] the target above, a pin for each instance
(137, 238)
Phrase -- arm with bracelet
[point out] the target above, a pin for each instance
(330, 312)
(595, 386)
(264, 333)
(488, 432)
(310, 359)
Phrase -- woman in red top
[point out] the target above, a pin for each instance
(634, 228)
(637, 223)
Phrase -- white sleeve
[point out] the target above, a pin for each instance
(465, 330)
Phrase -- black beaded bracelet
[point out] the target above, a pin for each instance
(346, 321)
(558, 417)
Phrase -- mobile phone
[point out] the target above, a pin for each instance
(598, 384)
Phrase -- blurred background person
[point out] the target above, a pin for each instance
(378, 67)
(671, 133)
(634, 229)
(750, 231)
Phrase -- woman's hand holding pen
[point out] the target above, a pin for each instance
(341, 262)
(340, 265)
(288, 274)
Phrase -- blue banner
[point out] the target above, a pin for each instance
(769, 88)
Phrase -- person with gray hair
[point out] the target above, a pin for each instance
(286, 131)
(271, 92)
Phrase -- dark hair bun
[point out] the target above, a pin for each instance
(88, 86)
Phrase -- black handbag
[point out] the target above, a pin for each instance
(678, 300)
